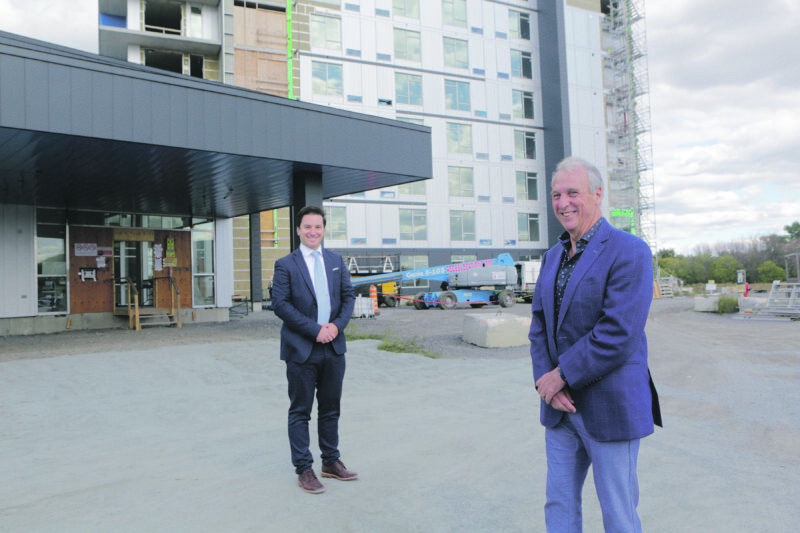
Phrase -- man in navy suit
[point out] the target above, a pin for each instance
(312, 294)
(589, 354)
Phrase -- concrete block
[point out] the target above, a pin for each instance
(496, 330)
(708, 304)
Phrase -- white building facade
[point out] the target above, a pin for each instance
(470, 70)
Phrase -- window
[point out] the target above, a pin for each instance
(456, 53)
(326, 32)
(524, 144)
(408, 88)
(519, 25)
(203, 265)
(417, 187)
(522, 104)
(463, 258)
(527, 185)
(407, 45)
(528, 226)
(51, 260)
(454, 13)
(326, 78)
(521, 65)
(459, 138)
(414, 262)
(462, 225)
(456, 95)
(406, 8)
(336, 223)
(196, 22)
(460, 181)
(413, 224)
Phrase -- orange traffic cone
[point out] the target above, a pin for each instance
(373, 295)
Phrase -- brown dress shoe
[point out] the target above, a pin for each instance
(339, 471)
(308, 482)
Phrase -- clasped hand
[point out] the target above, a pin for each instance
(328, 332)
(552, 390)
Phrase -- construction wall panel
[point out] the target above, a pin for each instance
(17, 261)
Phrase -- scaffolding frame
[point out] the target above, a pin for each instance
(630, 160)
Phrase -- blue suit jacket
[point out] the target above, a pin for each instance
(598, 337)
(294, 302)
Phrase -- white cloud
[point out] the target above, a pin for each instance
(725, 100)
(72, 23)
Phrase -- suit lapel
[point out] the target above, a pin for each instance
(303, 268)
(590, 255)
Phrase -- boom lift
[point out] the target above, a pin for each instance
(477, 283)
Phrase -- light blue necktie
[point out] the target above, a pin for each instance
(321, 289)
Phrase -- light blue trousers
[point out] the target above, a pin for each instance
(570, 451)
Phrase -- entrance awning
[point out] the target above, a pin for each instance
(80, 131)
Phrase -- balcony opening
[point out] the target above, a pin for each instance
(163, 17)
(170, 61)
(196, 66)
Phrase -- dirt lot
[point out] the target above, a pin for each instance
(184, 430)
(438, 331)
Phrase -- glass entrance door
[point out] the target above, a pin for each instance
(134, 260)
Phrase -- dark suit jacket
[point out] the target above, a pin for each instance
(294, 302)
(598, 337)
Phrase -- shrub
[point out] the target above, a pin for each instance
(727, 305)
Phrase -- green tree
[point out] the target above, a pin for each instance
(663, 254)
(793, 230)
(769, 272)
(723, 269)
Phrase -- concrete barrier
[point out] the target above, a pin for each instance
(496, 331)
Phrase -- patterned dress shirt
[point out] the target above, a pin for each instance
(568, 263)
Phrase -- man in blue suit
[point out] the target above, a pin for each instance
(589, 354)
(312, 294)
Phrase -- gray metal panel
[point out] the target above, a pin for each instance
(18, 265)
(555, 98)
(103, 134)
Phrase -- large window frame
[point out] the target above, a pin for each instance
(459, 138)
(326, 32)
(203, 266)
(521, 64)
(462, 225)
(519, 25)
(454, 13)
(457, 95)
(408, 88)
(460, 182)
(326, 79)
(524, 144)
(528, 227)
(52, 267)
(522, 104)
(456, 52)
(406, 8)
(527, 185)
(336, 223)
(413, 224)
(407, 45)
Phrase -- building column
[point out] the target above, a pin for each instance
(256, 292)
(307, 190)
(555, 97)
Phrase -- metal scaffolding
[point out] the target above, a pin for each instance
(630, 156)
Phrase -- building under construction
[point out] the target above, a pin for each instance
(630, 166)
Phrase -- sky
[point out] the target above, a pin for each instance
(724, 105)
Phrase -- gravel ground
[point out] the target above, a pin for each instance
(435, 330)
